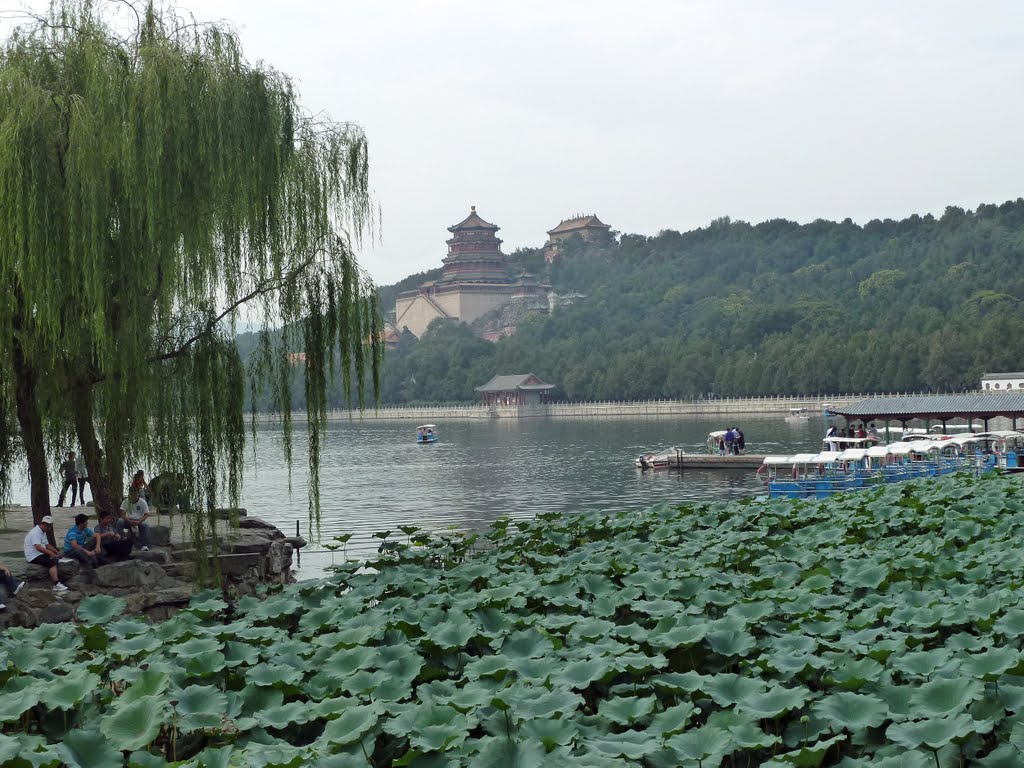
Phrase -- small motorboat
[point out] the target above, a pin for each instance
(427, 433)
(656, 460)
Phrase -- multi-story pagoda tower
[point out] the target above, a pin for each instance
(474, 253)
(475, 280)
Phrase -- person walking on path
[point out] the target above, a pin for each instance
(39, 551)
(12, 584)
(83, 477)
(70, 480)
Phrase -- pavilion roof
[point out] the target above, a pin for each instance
(968, 405)
(580, 222)
(513, 382)
(473, 221)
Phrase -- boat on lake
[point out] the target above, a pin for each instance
(427, 433)
(798, 414)
(660, 460)
(851, 468)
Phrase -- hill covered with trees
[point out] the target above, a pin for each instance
(747, 309)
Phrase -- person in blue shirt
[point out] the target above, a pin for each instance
(80, 542)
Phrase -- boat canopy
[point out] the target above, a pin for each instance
(427, 426)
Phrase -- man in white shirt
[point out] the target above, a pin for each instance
(39, 551)
(134, 512)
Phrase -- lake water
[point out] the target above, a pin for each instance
(374, 476)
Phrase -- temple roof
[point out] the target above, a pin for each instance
(473, 221)
(525, 381)
(580, 222)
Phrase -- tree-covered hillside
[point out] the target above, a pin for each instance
(772, 308)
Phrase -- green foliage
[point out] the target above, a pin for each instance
(726, 634)
(772, 308)
(154, 185)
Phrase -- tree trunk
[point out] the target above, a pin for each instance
(30, 418)
(103, 486)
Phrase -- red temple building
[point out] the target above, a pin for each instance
(516, 389)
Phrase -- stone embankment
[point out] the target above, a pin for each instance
(156, 583)
(745, 406)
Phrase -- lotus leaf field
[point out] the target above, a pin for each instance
(876, 628)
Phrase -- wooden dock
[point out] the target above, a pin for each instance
(712, 461)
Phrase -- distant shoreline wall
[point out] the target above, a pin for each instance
(647, 408)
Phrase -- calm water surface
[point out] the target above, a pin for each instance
(374, 476)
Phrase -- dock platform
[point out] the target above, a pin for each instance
(712, 461)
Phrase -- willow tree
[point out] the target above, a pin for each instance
(154, 185)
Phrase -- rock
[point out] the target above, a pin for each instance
(246, 542)
(254, 523)
(129, 573)
(242, 564)
(297, 542)
(279, 557)
(159, 536)
(176, 595)
(55, 612)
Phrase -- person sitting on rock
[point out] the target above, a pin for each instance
(39, 551)
(134, 512)
(116, 544)
(81, 543)
(12, 584)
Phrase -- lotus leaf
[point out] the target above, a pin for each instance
(922, 663)
(749, 736)
(672, 720)
(774, 702)
(99, 609)
(700, 744)
(942, 697)
(852, 711)
(580, 674)
(728, 689)
(68, 691)
(631, 745)
(18, 696)
(206, 603)
(351, 724)
(134, 725)
(205, 664)
(730, 642)
(453, 633)
(627, 710)
(526, 644)
(933, 733)
(550, 733)
(514, 754)
(992, 662)
(810, 757)
(88, 749)
(540, 704)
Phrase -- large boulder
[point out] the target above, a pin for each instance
(130, 573)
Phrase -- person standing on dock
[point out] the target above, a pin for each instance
(832, 445)
(741, 442)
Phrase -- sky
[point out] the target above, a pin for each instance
(653, 114)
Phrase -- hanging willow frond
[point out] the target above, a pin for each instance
(153, 185)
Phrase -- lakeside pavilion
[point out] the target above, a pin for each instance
(515, 389)
(970, 407)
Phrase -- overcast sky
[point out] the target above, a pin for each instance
(653, 114)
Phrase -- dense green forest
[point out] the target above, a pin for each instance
(739, 309)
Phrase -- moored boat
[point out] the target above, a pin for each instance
(855, 467)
